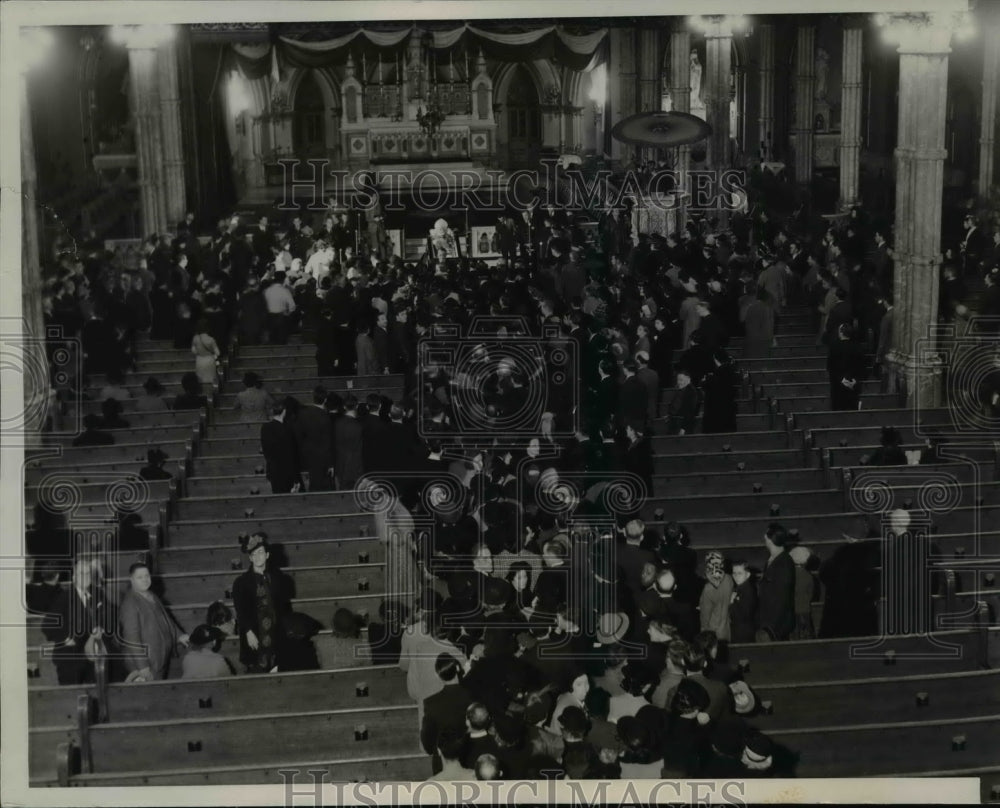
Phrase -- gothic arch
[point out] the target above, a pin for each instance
(327, 83)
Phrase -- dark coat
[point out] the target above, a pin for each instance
(720, 400)
(75, 621)
(633, 401)
(314, 434)
(245, 606)
(776, 594)
(378, 452)
(277, 442)
(348, 451)
(444, 713)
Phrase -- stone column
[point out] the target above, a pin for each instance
(805, 65)
(173, 144)
(850, 114)
(622, 100)
(35, 376)
(718, 76)
(920, 155)
(680, 101)
(147, 114)
(987, 132)
(765, 81)
(649, 77)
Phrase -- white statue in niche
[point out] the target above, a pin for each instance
(695, 78)
(822, 70)
(697, 104)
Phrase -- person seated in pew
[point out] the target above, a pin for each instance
(203, 660)
(153, 470)
(741, 752)
(92, 434)
(191, 398)
(115, 387)
(149, 633)
(296, 650)
(344, 648)
(111, 410)
(890, 451)
(220, 616)
(152, 398)
(930, 453)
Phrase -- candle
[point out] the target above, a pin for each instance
(467, 76)
(380, 67)
(364, 69)
(451, 66)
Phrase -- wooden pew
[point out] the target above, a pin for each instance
(819, 525)
(267, 504)
(299, 551)
(786, 663)
(182, 533)
(151, 418)
(848, 456)
(894, 416)
(795, 390)
(726, 482)
(206, 741)
(732, 461)
(167, 433)
(235, 695)
(686, 507)
(871, 749)
(722, 442)
(395, 768)
(821, 402)
(71, 456)
(887, 697)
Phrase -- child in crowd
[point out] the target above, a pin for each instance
(716, 597)
(743, 607)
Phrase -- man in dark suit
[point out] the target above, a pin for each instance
(444, 712)
(314, 435)
(348, 445)
(633, 397)
(377, 453)
(776, 590)
(972, 245)
(277, 444)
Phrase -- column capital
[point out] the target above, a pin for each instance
(927, 33)
(142, 37)
(718, 26)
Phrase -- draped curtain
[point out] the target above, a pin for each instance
(576, 51)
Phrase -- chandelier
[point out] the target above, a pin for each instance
(431, 120)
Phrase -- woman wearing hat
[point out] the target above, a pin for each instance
(253, 401)
(203, 660)
(716, 596)
(260, 604)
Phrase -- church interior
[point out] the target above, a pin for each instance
(512, 399)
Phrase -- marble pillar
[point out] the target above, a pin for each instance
(718, 77)
(680, 100)
(649, 77)
(147, 114)
(988, 125)
(35, 376)
(805, 66)
(622, 101)
(173, 145)
(920, 155)
(850, 114)
(765, 83)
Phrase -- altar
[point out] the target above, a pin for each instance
(417, 111)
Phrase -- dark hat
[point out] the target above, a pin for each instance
(496, 592)
(204, 635)
(156, 456)
(252, 542)
(729, 736)
(574, 720)
(152, 385)
(758, 745)
(300, 626)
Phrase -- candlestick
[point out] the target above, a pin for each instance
(451, 67)
(467, 76)
(364, 68)
(380, 67)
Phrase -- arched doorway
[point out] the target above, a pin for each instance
(524, 120)
(309, 121)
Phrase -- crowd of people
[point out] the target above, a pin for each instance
(543, 626)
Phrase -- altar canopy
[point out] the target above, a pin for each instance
(576, 51)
